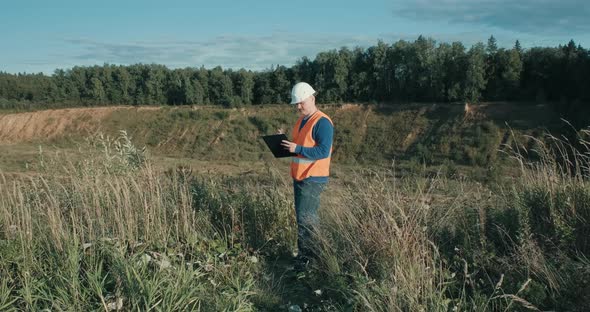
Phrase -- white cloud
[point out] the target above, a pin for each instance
(534, 17)
(228, 51)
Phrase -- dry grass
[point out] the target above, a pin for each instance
(103, 232)
(124, 234)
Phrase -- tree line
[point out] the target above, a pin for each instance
(402, 72)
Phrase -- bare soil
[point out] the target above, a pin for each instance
(49, 124)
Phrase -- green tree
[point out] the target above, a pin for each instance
(493, 70)
(536, 79)
(399, 69)
(199, 94)
(303, 70)
(423, 59)
(359, 81)
(455, 63)
(97, 91)
(343, 65)
(202, 77)
(78, 79)
(220, 87)
(439, 72)
(511, 62)
(518, 47)
(475, 80)
(263, 91)
(280, 84)
(324, 75)
(332, 70)
(244, 86)
(151, 84)
(377, 71)
(178, 88)
(124, 83)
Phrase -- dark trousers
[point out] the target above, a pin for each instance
(307, 203)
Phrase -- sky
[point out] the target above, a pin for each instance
(41, 36)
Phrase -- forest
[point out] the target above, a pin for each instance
(389, 74)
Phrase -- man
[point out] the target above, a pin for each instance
(312, 142)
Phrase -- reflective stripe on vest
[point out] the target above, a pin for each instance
(302, 160)
(301, 167)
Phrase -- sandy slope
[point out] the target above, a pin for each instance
(48, 124)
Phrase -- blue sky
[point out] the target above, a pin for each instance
(40, 36)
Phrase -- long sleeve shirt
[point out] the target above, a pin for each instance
(323, 134)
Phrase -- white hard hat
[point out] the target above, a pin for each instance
(300, 92)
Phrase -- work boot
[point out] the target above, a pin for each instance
(301, 263)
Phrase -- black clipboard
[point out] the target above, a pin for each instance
(274, 144)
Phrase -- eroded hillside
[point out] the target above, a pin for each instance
(363, 133)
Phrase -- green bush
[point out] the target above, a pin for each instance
(450, 169)
(424, 154)
(259, 220)
(185, 114)
(560, 218)
(262, 124)
(221, 115)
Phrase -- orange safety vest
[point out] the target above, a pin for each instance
(301, 167)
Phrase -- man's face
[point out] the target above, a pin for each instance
(307, 106)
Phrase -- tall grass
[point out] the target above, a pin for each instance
(555, 194)
(436, 244)
(380, 240)
(116, 232)
(410, 244)
(112, 233)
(552, 202)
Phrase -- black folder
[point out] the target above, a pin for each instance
(274, 144)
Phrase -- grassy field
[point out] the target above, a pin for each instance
(91, 222)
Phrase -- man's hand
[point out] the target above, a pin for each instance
(290, 146)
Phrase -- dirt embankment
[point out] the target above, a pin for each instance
(49, 124)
